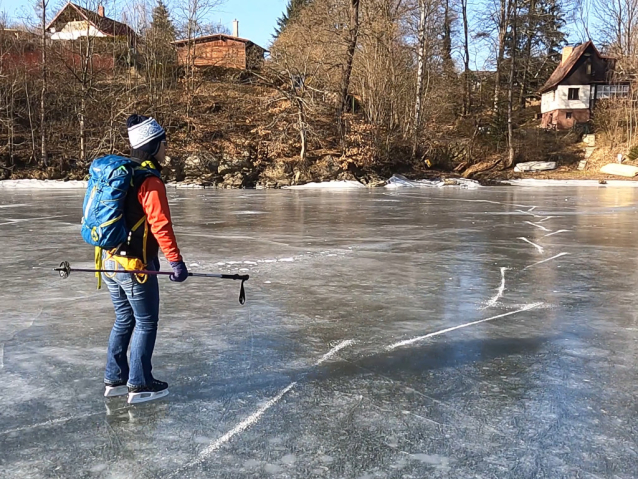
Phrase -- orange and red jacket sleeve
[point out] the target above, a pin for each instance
(152, 196)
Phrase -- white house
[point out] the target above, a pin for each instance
(73, 22)
(582, 77)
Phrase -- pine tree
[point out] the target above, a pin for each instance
(292, 10)
(161, 23)
(541, 24)
(159, 55)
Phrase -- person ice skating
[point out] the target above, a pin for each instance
(136, 298)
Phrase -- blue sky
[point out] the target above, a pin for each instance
(257, 18)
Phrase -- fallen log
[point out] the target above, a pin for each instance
(481, 167)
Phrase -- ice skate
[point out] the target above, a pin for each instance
(115, 389)
(155, 390)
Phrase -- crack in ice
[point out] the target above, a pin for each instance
(408, 342)
(556, 232)
(537, 225)
(245, 424)
(500, 291)
(538, 247)
(254, 417)
(545, 260)
(335, 350)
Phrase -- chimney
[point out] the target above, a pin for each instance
(235, 28)
(567, 51)
(100, 10)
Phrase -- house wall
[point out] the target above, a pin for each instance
(557, 119)
(75, 30)
(216, 53)
(558, 99)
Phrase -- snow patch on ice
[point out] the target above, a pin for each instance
(184, 186)
(399, 181)
(333, 185)
(43, 184)
(541, 183)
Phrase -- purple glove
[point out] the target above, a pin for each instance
(180, 273)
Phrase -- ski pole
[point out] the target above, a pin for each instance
(65, 270)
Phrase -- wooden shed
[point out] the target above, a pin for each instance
(220, 50)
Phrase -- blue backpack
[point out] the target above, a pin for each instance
(103, 220)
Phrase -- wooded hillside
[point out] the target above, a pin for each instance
(351, 89)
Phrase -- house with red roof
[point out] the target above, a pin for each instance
(570, 94)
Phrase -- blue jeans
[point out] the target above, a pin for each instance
(136, 317)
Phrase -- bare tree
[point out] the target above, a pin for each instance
(618, 25)
(353, 36)
(43, 118)
(420, 75)
(530, 32)
(502, 22)
(510, 93)
(467, 87)
(193, 14)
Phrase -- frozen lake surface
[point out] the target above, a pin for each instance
(347, 360)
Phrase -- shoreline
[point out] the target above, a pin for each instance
(395, 182)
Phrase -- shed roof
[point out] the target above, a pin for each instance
(216, 36)
(106, 25)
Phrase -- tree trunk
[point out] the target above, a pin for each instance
(502, 30)
(419, 79)
(467, 87)
(82, 130)
(43, 124)
(353, 36)
(510, 95)
(302, 132)
(448, 64)
(34, 156)
(530, 31)
(11, 125)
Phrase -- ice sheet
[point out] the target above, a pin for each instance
(387, 333)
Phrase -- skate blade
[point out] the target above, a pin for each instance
(111, 392)
(136, 398)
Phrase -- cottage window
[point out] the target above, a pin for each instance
(611, 91)
(572, 94)
(568, 115)
(589, 71)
